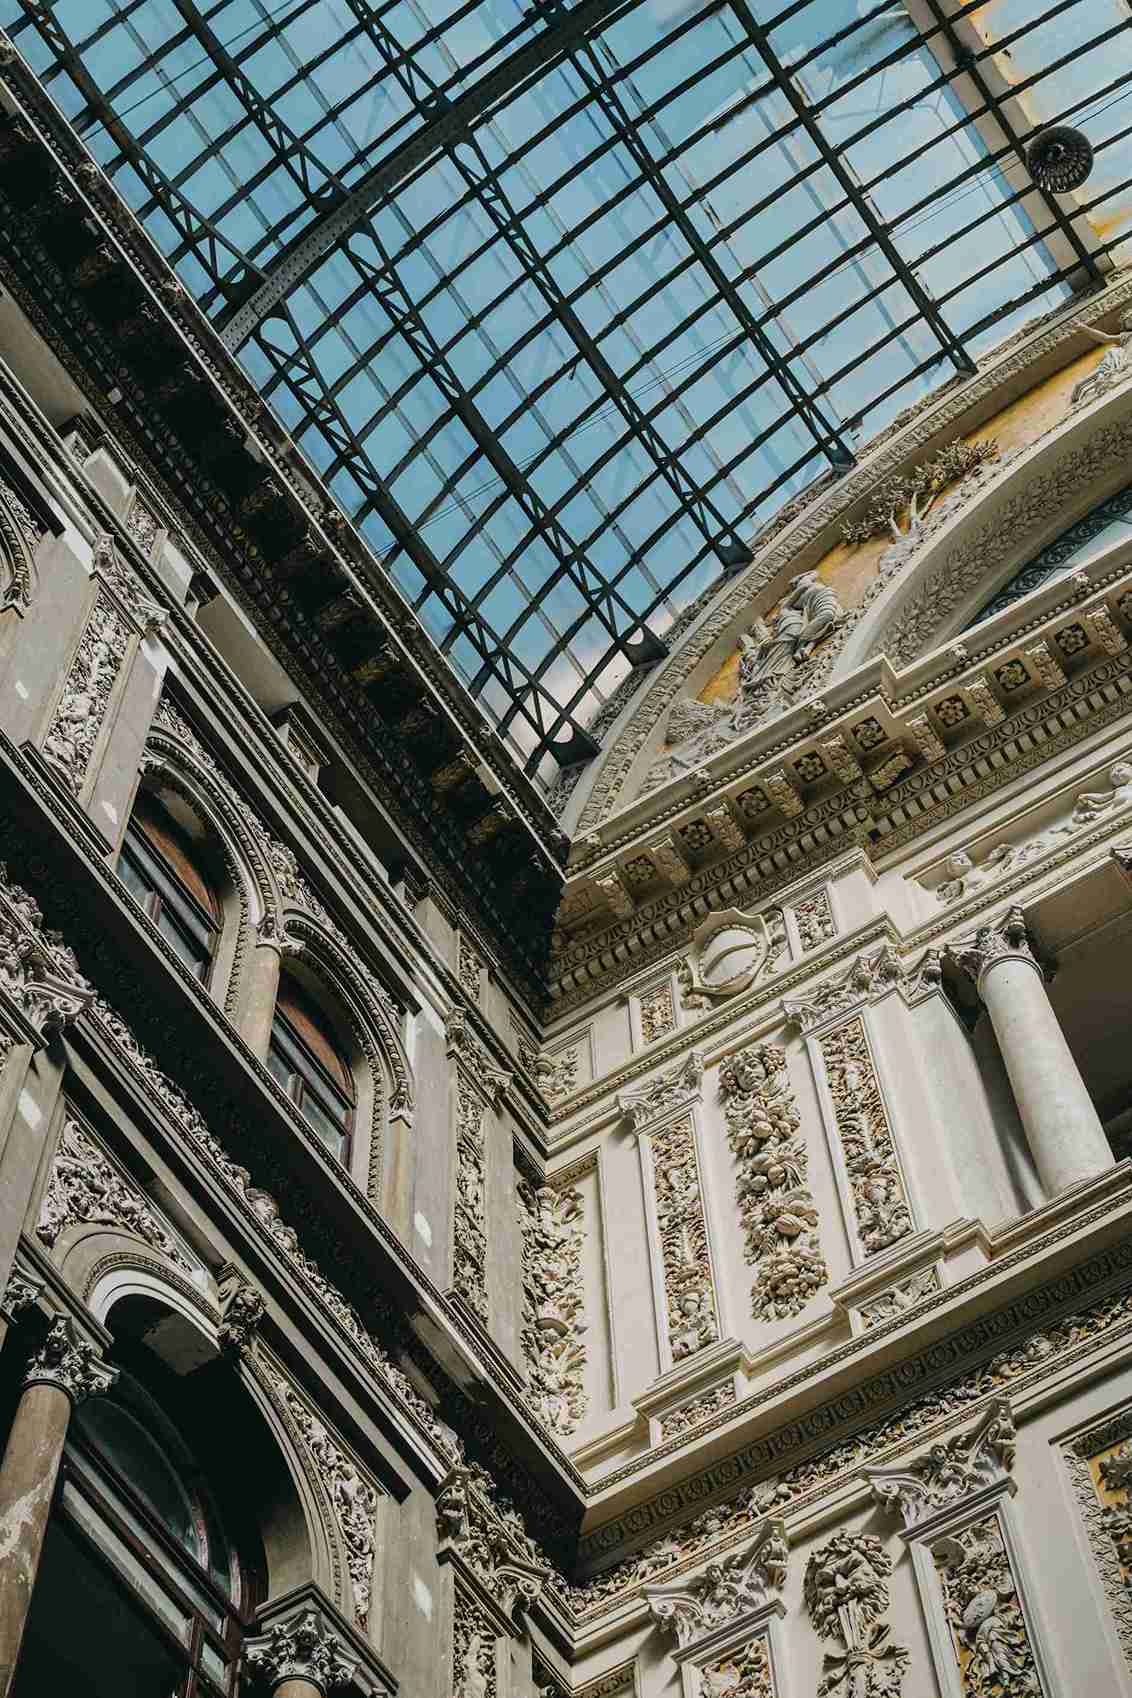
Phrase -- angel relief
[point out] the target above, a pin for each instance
(775, 663)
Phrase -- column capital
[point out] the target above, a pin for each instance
(301, 1646)
(1003, 939)
(67, 1360)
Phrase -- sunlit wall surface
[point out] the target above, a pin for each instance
(563, 301)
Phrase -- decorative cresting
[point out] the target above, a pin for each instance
(498, 1574)
(86, 1188)
(121, 613)
(69, 1362)
(41, 988)
(964, 877)
(877, 1191)
(302, 1646)
(353, 1501)
(953, 1501)
(1063, 1129)
(726, 1624)
(20, 534)
(846, 1593)
(553, 1304)
(479, 1086)
(780, 1219)
(727, 954)
(292, 919)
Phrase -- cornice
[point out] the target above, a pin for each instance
(232, 555)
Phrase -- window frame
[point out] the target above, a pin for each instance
(167, 894)
(312, 1077)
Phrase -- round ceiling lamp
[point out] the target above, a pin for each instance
(1060, 159)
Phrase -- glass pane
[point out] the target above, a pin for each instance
(118, 1436)
(87, 1634)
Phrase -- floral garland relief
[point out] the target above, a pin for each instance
(778, 1213)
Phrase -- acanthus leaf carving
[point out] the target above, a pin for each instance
(689, 1286)
(69, 1362)
(778, 1212)
(679, 1087)
(729, 1588)
(86, 1189)
(489, 1539)
(39, 975)
(950, 1470)
(302, 1647)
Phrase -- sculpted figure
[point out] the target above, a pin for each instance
(807, 613)
(1114, 367)
(1093, 803)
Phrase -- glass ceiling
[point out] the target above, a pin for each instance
(563, 301)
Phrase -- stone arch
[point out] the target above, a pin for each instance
(383, 1073)
(250, 892)
(270, 1487)
(18, 574)
(965, 560)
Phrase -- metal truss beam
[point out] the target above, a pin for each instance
(862, 206)
(544, 714)
(564, 31)
(600, 598)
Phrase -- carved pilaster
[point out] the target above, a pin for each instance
(553, 1304)
(778, 1212)
(303, 1646)
(70, 1362)
(953, 1501)
(873, 1177)
(22, 1292)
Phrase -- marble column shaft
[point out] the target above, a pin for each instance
(1062, 1126)
(64, 1371)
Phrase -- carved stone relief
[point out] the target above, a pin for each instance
(557, 1074)
(469, 971)
(303, 1649)
(743, 1581)
(899, 1298)
(867, 976)
(553, 1304)
(676, 1087)
(949, 1471)
(67, 1360)
(1100, 1468)
(489, 1541)
(779, 1216)
(814, 918)
(689, 1289)
(872, 1168)
(846, 1594)
(470, 1224)
(658, 1016)
(353, 1501)
(965, 877)
(85, 1188)
(729, 952)
(473, 1650)
(39, 976)
(689, 1415)
(984, 1611)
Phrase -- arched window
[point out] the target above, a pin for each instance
(159, 865)
(304, 1057)
(140, 1588)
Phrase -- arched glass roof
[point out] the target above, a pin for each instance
(562, 300)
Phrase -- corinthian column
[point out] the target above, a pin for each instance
(301, 1656)
(59, 1375)
(1064, 1131)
